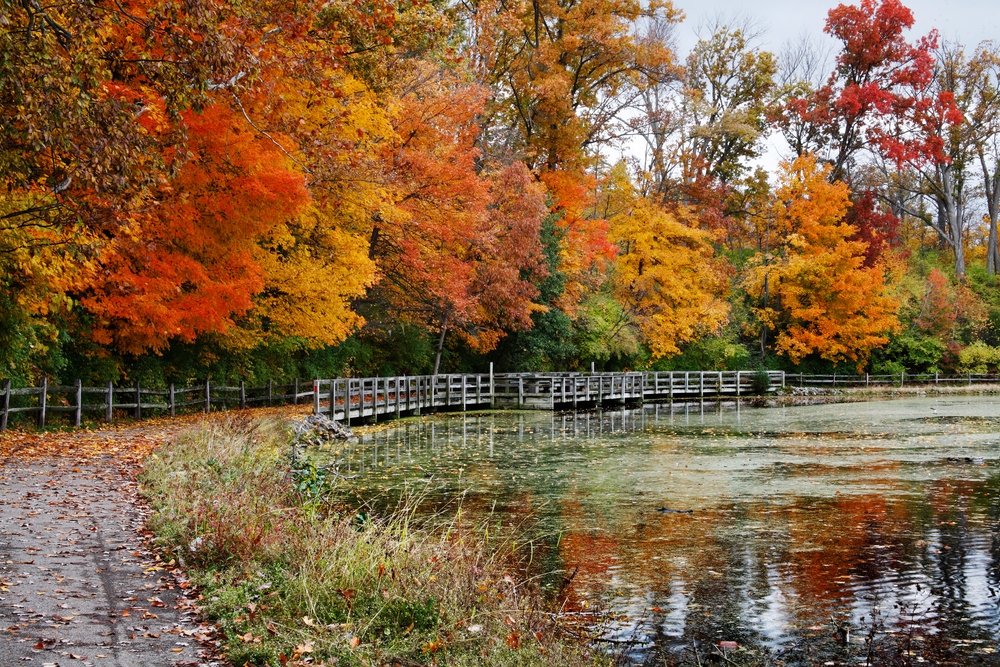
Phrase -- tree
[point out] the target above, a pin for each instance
(813, 285)
(187, 265)
(665, 275)
(462, 250)
(880, 82)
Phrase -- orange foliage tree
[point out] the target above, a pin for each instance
(461, 248)
(813, 285)
(187, 265)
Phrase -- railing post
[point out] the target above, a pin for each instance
(315, 396)
(243, 395)
(492, 393)
(138, 402)
(520, 392)
(208, 396)
(270, 393)
(6, 405)
(738, 387)
(866, 379)
(463, 391)
(399, 402)
(902, 378)
(78, 415)
(970, 378)
(701, 385)
(935, 378)
(109, 403)
(295, 394)
(172, 400)
(42, 402)
(782, 379)
(333, 399)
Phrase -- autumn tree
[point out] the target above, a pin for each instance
(812, 286)
(665, 274)
(187, 265)
(880, 82)
(461, 249)
(563, 74)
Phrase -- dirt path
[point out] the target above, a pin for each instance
(78, 584)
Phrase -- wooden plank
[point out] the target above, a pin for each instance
(173, 400)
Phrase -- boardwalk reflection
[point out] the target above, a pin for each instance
(860, 513)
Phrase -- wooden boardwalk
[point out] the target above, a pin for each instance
(556, 391)
(374, 399)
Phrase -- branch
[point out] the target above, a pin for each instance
(269, 137)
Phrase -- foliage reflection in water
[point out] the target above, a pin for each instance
(794, 523)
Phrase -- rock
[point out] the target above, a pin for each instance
(318, 429)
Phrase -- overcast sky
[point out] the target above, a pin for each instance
(965, 21)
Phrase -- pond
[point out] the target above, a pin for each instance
(812, 534)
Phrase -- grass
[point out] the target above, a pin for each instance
(293, 580)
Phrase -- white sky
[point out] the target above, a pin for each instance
(966, 21)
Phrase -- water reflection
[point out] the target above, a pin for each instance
(802, 519)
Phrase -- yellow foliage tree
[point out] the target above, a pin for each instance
(666, 275)
(813, 285)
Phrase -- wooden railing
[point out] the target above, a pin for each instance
(381, 397)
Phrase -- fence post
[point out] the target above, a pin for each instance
(835, 380)
(782, 379)
(108, 416)
(935, 378)
(173, 402)
(315, 396)
(670, 391)
(243, 395)
(78, 415)
(42, 402)
(295, 390)
(738, 384)
(208, 396)
(902, 378)
(270, 393)
(138, 402)
(520, 392)
(970, 378)
(492, 395)
(333, 398)
(701, 385)
(6, 405)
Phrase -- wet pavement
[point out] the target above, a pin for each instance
(78, 585)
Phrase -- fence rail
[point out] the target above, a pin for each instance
(387, 397)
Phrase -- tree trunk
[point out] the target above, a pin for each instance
(991, 183)
(437, 357)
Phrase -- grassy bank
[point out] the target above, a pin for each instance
(292, 580)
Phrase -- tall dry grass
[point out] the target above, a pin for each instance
(293, 581)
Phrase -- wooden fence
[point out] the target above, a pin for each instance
(389, 397)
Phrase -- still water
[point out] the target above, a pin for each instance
(778, 528)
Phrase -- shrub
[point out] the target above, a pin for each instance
(978, 358)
